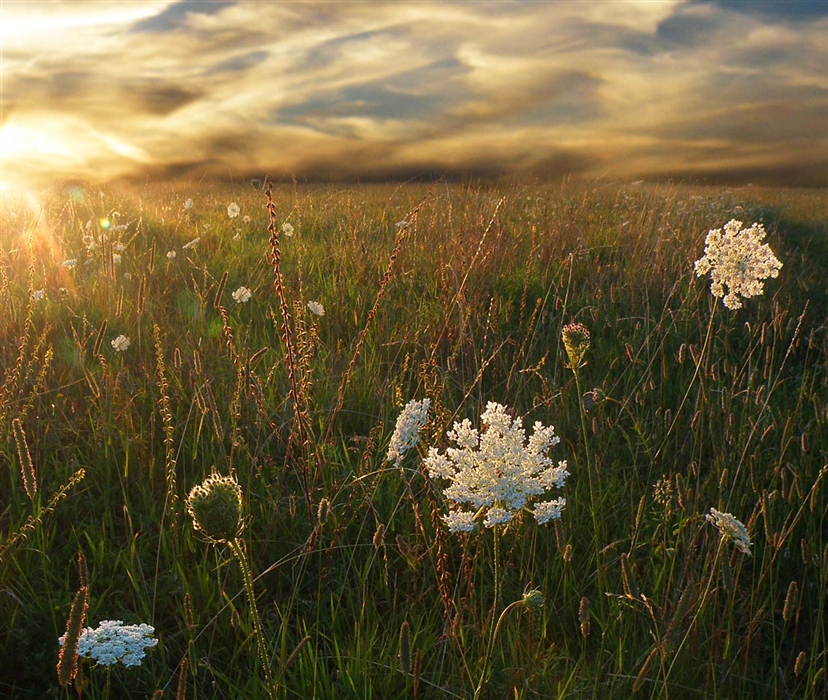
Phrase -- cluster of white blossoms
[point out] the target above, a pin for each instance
(738, 260)
(407, 431)
(241, 295)
(497, 471)
(113, 642)
(316, 308)
(233, 210)
(121, 343)
(731, 529)
(171, 254)
(38, 294)
(287, 229)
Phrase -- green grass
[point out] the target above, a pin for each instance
(471, 312)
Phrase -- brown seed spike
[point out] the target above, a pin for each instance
(790, 602)
(584, 617)
(26, 465)
(67, 666)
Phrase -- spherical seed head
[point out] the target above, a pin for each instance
(576, 342)
(216, 507)
(533, 599)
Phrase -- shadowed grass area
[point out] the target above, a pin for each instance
(453, 293)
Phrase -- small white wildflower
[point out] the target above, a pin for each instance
(189, 203)
(407, 431)
(497, 516)
(233, 210)
(548, 510)
(38, 294)
(119, 247)
(737, 260)
(171, 254)
(116, 259)
(497, 471)
(237, 237)
(114, 642)
(246, 219)
(70, 263)
(287, 229)
(459, 521)
(241, 295)
(192, 244)
(316, 308)
(731, 529)
(121, 343)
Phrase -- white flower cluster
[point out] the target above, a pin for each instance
(287, 229)
(738, 260)
(241, 295)
(113, 642)
(316, 308)
(731, 529)
(496, 471)
(121, 343)
(407, 431)
(233, 210)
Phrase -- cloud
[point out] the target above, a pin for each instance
(382, 89)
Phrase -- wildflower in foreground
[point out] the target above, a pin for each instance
(496, 471)
(316, 308)
(287, 229)
(737, 260)
(121, 343)
(38, 294)
(216, 507)
(70, 263)
(407, 431)
(113, 641)
(576, 342)
(189, 203)
(171, 254)
(116, 259)
(241, 295)
(246, 219)
(233, 210)
(731, 529)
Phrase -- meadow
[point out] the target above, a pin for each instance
(152, 335)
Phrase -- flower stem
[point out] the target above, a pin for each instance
(700, 362)
(592, 481)
(244, 564)
(494, 627)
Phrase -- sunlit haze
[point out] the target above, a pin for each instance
(712, 91)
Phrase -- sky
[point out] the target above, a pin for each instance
(718, 91)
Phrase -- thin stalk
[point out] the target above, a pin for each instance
(702, 602)
(592, 482)
(238, 552)
(494, 628)
(692, 381)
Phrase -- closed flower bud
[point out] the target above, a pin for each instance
(533, 599)
(576, 342)
(216, 507)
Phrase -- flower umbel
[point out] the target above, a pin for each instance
(576, 342)
(738, 260)
(407, 431)
(241, 295)
(216, 507)
(113, 641)
(316, 308)
(497, 471)
(121, 343)
(731, 529)
(233, 210)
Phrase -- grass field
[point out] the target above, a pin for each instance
(453, 293)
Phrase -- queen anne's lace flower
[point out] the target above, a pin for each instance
(121, 343)
(113, 641)
(407, 431)
(241, 295)
(737, 259)
(731, 529)
(316, 308)
(287, 229)
(233, 210)
(496, 471)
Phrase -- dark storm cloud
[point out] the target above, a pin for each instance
(373, 89)
(793, 10)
